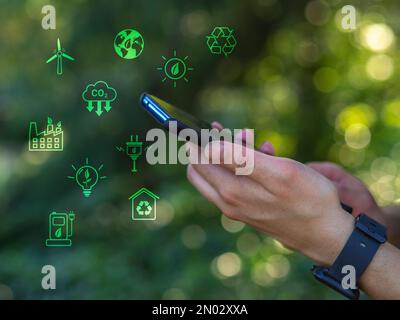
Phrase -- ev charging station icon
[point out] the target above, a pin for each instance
(60, 229)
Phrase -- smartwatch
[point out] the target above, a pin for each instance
(358, 252)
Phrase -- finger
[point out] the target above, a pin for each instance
(265, 168)
(205, 188)
(330, 170)
(351, 190)
(245, 136)
(231, 188)
(217, 125)
(267, 148)
(195, 153)
(218, 177)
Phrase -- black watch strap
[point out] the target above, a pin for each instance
(358, 252)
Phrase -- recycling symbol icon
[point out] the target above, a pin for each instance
(143, 208)
(221, 41)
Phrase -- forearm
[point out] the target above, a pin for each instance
(381, 280)
(392, 221)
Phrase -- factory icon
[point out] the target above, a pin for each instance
(50, 139)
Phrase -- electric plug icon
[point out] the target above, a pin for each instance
(133, 150)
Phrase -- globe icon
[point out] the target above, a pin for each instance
(128, 44)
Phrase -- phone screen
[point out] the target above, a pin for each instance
(169, 112)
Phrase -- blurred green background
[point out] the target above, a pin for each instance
(316, 91)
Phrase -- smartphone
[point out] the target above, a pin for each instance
(163, 112)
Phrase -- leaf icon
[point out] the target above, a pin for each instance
(58, 233)
(175, 69)
(87, 177)
(49, 120)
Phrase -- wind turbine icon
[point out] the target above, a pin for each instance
(59, 55)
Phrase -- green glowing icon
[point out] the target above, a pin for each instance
(221, 41)
(144, 205)
(87, 177)
(99, 96)
(59, 55)
(175, 69)
(60, 229)
(50, 139)
(128, 44)
(133, 150)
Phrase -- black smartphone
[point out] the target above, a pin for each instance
(163, 112)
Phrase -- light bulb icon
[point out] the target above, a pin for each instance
(87, 177)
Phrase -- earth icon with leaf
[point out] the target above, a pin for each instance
(128, 44)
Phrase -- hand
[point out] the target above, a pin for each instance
(352, 191)
(282, 197)
(355, 193)
(266, 147)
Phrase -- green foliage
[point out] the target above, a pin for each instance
(314, 91)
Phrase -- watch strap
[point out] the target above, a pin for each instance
(358, 252)
(360, 248)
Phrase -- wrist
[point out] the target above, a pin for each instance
(333, 235)
(380, 279)
(361, 249)
(391, 218)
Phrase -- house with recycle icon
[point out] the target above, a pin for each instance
(144, 205)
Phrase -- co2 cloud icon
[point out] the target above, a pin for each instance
(99, 95)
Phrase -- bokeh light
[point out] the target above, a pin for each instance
(377, 37)
(317, 12)
(260, 275)
(360, 113)
(193, 237)
(391, 113)
(277, 266)
(230, 225)
(228, 264)
(248, 243)
(357, 136)
(380, 67)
